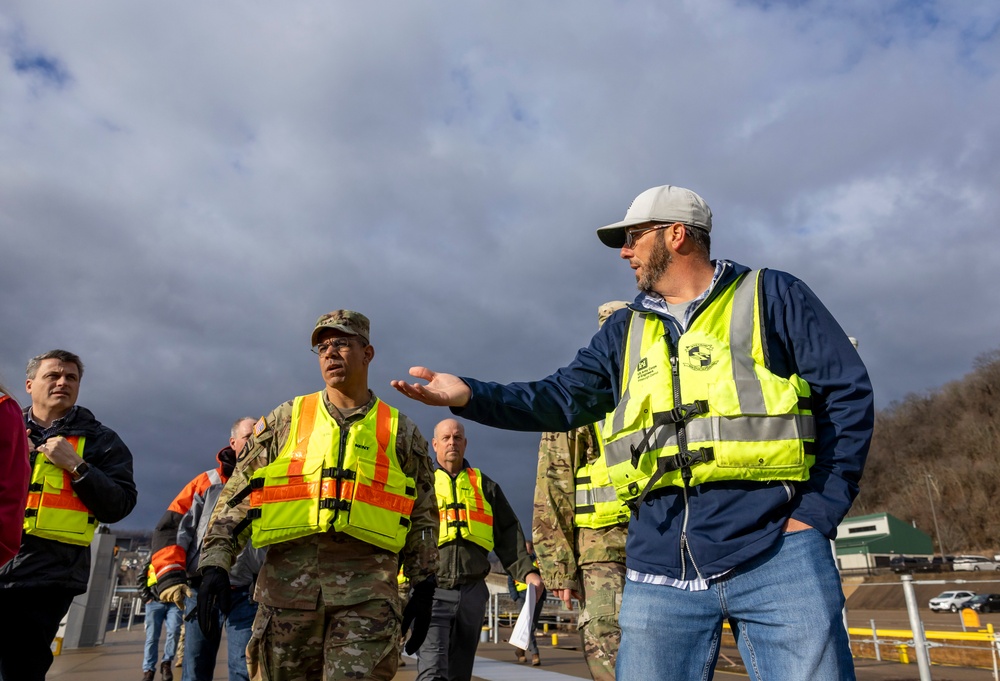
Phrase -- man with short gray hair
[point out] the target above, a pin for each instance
(81, 475)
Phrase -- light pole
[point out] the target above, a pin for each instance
(937, 531)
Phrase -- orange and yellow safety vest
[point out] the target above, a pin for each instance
(54, 511)
(463, 508)
(327, 478)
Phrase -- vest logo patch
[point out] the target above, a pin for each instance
(699, 357)
(644, 371)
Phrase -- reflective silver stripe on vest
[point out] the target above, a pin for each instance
(589, 497)
(214, 477)
(722, 429)
(748, 388)
(635, 331)
(620, 450)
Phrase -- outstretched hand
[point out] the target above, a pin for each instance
(441, 390)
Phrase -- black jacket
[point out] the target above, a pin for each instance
(107, 490)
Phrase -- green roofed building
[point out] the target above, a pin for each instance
(870, 541)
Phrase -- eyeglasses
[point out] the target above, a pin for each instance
(337, 345)
(633, 235)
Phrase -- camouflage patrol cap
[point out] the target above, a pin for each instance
(608, 309)
(347, 321)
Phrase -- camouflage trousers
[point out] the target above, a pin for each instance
(602, 585)
(331, 643)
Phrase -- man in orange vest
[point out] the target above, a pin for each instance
(177, 542)
(81, 475)
(337, 486)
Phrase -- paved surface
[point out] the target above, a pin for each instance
(120, 659)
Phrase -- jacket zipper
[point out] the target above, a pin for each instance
(681, 447)
(344, 431)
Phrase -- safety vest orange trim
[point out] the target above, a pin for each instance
(298, 486)
(462, 508)
(77, 527)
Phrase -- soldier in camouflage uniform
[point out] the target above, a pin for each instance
(580, 562)
(329, 602)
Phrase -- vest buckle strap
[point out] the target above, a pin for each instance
(252, 515)
(338, 473)
(255, 483)
(30, 512)
(35, 487)
(677, 415)
(335, 504)
(687, 458)
(680, 461)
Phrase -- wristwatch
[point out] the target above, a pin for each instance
(80, 470)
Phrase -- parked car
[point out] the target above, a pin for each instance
(942, 563)
(907, 564)
(950, 600)
(975, 563)
(984, 603)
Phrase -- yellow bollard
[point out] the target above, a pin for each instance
(904, 655)
(555, 640)
(545, 627)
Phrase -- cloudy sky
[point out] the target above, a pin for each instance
(186, 186)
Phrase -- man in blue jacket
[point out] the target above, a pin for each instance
(737, 417)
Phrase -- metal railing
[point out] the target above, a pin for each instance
(979, 648)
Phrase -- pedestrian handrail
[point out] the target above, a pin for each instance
(987, 634)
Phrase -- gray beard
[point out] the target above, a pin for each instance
(659, 262)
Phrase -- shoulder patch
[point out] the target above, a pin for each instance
(259, 427)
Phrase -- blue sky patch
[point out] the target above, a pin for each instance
(47, 69)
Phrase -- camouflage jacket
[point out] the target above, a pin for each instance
(563, 548)
(334, 567)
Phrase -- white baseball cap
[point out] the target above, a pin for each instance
(667, 204)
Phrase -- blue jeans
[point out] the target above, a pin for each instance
(200, 653)
(156, 614)
(786, 606)
(239, 626)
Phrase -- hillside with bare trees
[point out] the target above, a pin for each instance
(939, 453)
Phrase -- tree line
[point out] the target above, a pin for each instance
(936, 453)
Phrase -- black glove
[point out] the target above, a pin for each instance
(418, 612)
(214, 596)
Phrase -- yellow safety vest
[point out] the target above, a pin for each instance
(463, 508)
(707, 409)
(597, 504)
(54, 511)
(327, 478)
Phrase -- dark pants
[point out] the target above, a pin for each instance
(449, 650)
(29, 621)
(199, 652)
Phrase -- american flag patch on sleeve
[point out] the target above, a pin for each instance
(259, 427)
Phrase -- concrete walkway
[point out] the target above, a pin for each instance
(120, 659)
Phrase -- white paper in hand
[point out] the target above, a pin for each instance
(523, 626)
